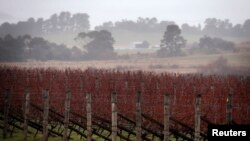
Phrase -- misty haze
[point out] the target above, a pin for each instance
(49, 34)
(155, 50)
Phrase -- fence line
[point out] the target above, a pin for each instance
(114, 117)
(229, 106)
(7, 96)
(138, 116)
(89, 116)
(26, 114)
(66, 116)
(197, 117)
(45, 114)
(166, 117)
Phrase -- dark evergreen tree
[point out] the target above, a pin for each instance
(172, 42)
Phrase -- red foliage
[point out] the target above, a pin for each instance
(101, 83)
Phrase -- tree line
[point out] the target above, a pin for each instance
(98, 44)
(23, 48)
(57, 23)
(79, 22)
(212, 27)
(172, 43)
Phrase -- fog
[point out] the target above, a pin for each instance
(134, 64)
(156, 35)
(181, 11)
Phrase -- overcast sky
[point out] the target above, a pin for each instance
(189, 11)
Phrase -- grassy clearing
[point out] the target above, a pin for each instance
(183, 64)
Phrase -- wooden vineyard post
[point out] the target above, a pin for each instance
(229, 107)
(6, 112)
(138, 116)
(197, 117)
(114, 116)
(166, 117)
(45, 115)
(66, 115)
(26, 114)
(89, 117)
